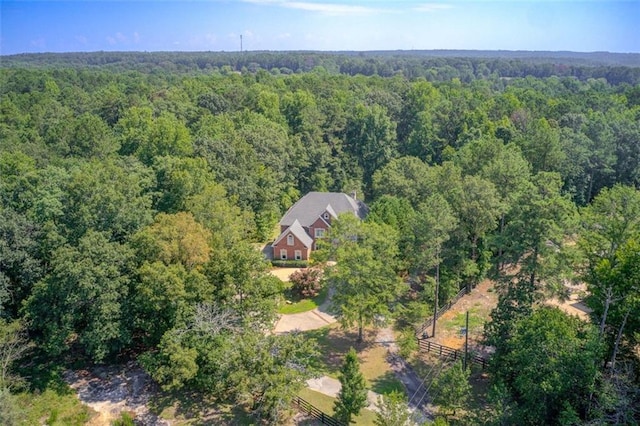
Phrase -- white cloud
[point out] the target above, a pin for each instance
(432, 7)
(121, 38)
(324, 8)
(40, 43)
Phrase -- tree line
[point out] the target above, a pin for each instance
(433, 65)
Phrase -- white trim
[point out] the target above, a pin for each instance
(318, 232)
(283, 254)
(298, 255)
(290, 240)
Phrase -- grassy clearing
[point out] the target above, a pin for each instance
(52, 408)
(47, 399)
(478, 315)
(335, 342)
(375, 369)
(194, 409)
(302, 305)
(325, 404)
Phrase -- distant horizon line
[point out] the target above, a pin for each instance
(321, 51)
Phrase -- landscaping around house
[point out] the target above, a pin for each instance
(295, 305)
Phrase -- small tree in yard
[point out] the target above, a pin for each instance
(306, 282)
(353, 394)
(394, 411)
(452, 388)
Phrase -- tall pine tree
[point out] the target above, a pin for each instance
(353, 394)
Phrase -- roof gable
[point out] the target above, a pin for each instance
(308, 208)
(298, 231)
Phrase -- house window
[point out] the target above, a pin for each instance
(289, 240)
(319, 232)
(326, 216)
(298, 255)
(283, 254)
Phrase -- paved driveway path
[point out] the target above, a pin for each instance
(304, 321)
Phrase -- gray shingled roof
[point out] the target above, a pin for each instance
(298, 231)
(310, 207)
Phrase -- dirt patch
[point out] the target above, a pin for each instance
(573, 305)
(284, 273)
(114, 389)
(479, 303)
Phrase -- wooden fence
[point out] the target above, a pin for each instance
(445, 351)
(422, 331)
(314, 412)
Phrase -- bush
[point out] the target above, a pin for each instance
(306, 282)
(290, 263)
(407, 342)
(126, 419)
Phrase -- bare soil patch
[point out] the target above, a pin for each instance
(110, 390)
(573, 305)
(479, 303)
(284, 273)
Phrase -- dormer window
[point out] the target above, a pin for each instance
(290, 239)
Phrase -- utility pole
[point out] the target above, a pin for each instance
(466, 341)
(435, 303)
(240, 43)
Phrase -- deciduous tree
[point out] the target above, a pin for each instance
(364, 280)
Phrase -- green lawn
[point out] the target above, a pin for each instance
(334, 343)
(52, 408)
(325, 403)
(304, 305)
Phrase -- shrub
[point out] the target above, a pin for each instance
(306, 283)
(290, 263)
(407, 342)
(126, 419)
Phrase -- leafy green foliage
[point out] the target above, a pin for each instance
(364, 280)
(216, 355)
(14, 345)
(83, 299)
(394, 411)
(451, 389)
(132, 187)
(549, 366)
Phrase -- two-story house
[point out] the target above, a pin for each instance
(309, 219)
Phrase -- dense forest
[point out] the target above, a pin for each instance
(135, 186)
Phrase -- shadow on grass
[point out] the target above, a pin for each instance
(40, 372)
(197, 409)
(334, 343)
(387, 383)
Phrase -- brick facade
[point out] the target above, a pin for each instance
(283, 245)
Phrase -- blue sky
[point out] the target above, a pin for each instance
(216, 25)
